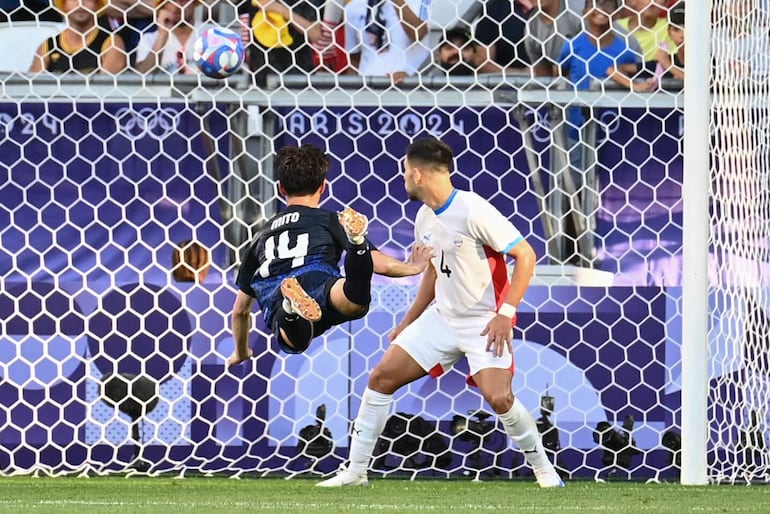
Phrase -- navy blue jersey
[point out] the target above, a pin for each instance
(298, 240)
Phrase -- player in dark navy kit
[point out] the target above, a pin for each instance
(292, 268)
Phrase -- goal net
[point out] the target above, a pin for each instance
(739, 275)
(127, 200)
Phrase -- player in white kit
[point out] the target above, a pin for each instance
(465, 305)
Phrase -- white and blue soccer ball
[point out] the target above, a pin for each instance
(218, 52)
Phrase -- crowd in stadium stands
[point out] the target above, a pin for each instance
(84, 45)
(459, 54)
(633, 44)
(279, 36)
(670, 56)
(741, 48)
(170, 46)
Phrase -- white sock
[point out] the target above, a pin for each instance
(521, 426)
(367, 427)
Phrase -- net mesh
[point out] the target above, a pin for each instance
(126, 201)
(739, 148)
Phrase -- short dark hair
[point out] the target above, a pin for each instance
(457, 34)
(676, 14)
(430, 152)
(301, 171)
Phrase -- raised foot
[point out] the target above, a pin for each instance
(301, 303)
(354, 223)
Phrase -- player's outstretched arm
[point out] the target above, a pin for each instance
(425, 295)
(414, 265)
(241, 324)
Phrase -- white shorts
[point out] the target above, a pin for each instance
(436, 345)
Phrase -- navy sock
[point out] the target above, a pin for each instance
(298, 330)
(358, 274)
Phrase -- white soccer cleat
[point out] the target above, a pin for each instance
(302, 303)
(355, 225)
(548, 477)
(344, 478)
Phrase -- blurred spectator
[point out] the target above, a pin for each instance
(279, 36)
(549, 26)
(740, 41)
(330, 52)
(84, 45)
(576, 7)
(459, 54)
(671, 58)
(386, 37)
(649, 29)
(170, 47)
(130, 8)
(501, 28)
(600, 52)
(597, 53)
(129, 19)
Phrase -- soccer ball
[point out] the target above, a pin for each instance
(218, 52)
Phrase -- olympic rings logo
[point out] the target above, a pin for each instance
(148, 121)
(539, 121)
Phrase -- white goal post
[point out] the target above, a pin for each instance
(126, 202)
(695, 348)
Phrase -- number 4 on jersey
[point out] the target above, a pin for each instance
(443, 267)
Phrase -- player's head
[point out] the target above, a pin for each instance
(425, 160)
(301, 171)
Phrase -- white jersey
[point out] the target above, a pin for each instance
(470, 238)
(399, 53)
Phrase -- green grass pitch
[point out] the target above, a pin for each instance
(168, 495)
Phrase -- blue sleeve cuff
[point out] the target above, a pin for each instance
(512, 244)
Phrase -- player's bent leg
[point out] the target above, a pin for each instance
(300, 302)
(396, 369)
(338, 297)
(294, 337)
(367, 427)
(354, 294)
(495, 386)
(293, 323)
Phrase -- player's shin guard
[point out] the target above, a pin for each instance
(369, 424)
(521, 426)
(358, 274)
